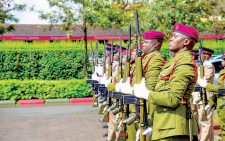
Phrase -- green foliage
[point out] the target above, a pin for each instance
(56, 45)
(35, 89)
(5, 7)
(162, 15)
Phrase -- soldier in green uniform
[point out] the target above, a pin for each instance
(194, 53)
(175, 84)
(216, 100)
(152, 63)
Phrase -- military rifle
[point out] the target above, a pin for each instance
(120, 74)
(106, 114)
(104, 58)
(203, 96)
(92, 60)
(139, 76)
(93, 82)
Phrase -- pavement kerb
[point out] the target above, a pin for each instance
(84, 100)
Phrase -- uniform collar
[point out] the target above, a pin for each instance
(156, 52)
(186, 53)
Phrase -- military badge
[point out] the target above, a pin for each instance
(177, 27)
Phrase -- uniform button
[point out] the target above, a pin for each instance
(151, 101)
(164, 109)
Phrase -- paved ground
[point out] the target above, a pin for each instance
(51, 123)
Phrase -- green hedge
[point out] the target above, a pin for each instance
(34, 89)
(42, 64)
(56, 61)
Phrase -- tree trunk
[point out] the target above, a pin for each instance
(85, 48)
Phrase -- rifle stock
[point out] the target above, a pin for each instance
(139, 76)
(120, 62)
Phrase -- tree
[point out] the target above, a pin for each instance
(5, 7)
(162, 15)
(88, 13)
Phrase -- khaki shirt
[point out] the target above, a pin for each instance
(152, 69)
(114, 70)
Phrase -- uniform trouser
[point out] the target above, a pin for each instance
(221, 116)
(111, 125)
(207, 126)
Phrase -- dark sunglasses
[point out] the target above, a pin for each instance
(223, 59)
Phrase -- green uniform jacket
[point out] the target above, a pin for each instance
(169, 116)
(216, 99)
(152, 69)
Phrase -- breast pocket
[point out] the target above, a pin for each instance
(165, 77)
(164, 118)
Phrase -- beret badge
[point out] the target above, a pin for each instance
(177, 27)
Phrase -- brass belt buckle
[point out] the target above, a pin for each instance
(181, 102)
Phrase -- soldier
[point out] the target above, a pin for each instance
(217, 100)
(152, 62)
(207, 126)
(132, 129)
(194, 53)
(111, 87)
(175, 84)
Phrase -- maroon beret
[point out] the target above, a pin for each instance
(187, 30)
(125, 52)
(135, 46)
(153, 35)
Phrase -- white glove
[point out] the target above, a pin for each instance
(117, 116)
(99, 105)
(147, 131)
(94, 76)
(202, 82)
(103, 79)
(108, 81)
(104, 103)
(140, 90)
(126, 88)
(104, 110)
(138, 135)
(118, 85)
(207, 107)
(120, 124)
(98, 69)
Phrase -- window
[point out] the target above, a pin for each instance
(125, 41)
(74, 41)
(28, 41)
(217, 66)
(102, 41)
(53, 41)
(219, 39)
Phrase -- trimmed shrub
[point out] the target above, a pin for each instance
(58, 60)
(42, 65)
(35, 89)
